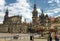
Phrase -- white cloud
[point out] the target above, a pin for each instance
(56, 9)
(51, 1)
(39, 11)
(2, 2)
(21, 7)
(2, 14)
(1, 17)
(57, 1)
(53, 11)
(1, 21)
(2, 6)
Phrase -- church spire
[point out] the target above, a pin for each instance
(7, 12)
(34, 4)
(42, 11)
(35, 13)
(42, 14)
(6, 16)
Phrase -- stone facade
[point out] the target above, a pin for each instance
(14, 24)
(11, 24)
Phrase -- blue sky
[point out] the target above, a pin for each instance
(25, 8)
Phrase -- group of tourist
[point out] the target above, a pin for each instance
(55, 37)
(49, 37)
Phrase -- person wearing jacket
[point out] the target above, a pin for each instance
(56, 37)
(49, 37)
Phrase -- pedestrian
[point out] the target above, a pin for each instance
(56, 37)
(49, 37)
(31, 38)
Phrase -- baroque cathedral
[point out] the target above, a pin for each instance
(14, 24)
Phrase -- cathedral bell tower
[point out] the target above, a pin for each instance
(34, 13)
(6, 13)
(42, 18)
(6, 16)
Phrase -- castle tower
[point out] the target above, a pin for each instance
(42, 18)
(6, 13)
(6, 16)
(34, 13)
(42, 14)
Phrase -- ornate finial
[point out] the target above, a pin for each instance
(24, 19)
(34, 4)
(7, 11)
(42, 11)
(46, 15)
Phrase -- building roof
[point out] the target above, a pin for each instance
(52, 19)
(57, 25)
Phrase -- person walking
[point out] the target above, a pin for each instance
(49, 37)
(31, 37)
(56, 37)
